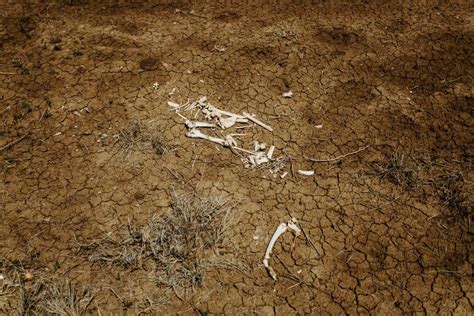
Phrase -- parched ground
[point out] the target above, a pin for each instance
(387, 230)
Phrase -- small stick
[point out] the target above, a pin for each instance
(6, 73)
(117, 296)
(309, 240)
(257, 121)
(13, 143)
(339, 157)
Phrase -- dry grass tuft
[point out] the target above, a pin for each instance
(180, 244)
(449, 188)
(399, 171)
(66, 300)
(29, 299)
(137, 136)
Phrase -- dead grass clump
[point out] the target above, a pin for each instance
(137, 136)
(65, 299)
(180, 244)
(29, 299)
(449, 188)
(399, 171)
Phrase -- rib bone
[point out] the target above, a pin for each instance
(281, 229)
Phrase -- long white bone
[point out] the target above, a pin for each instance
(194, 133)
(257, 121)
(197, 124)
(281, 229)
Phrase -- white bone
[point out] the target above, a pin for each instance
(292, 225)
(194, 133)
(260, 158)
(230, 141)
(244, 150)
(227, 122)
(288, 94)
(281, 229)
(174, 105)
(270, 152)
(257, 121)
(258, 146)
(306, 172)
(237, 116)
(197, 124)
(202, 100)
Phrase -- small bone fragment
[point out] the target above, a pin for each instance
(319, 126)
(281, 229)
(306, 172)
(174, 105)
(257, 121)
(230, 141)
(293, 227)
(197, 124)
(288, 94)
(194, 133)
(284, 174)
(258, 146)
(202, 100)
(270, 152)
(260, 158)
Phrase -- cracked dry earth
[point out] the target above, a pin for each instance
(387, 230)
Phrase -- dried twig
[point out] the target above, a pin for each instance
(309, 240)
(339, 157)
(13, 143)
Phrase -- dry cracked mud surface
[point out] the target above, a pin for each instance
(387, 230)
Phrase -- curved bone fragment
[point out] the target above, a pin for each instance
(281, 229)
(257, 121)
(306, 172)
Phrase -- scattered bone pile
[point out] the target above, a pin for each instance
(205, 116)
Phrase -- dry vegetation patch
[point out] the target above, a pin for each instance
(137, 136)
(180, 244)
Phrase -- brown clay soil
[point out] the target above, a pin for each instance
(387, 230)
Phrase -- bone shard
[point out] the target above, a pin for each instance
(174, 105)
(270, 152)
(257, 121)
(281, 229)
(306, 172)
(288, 94)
